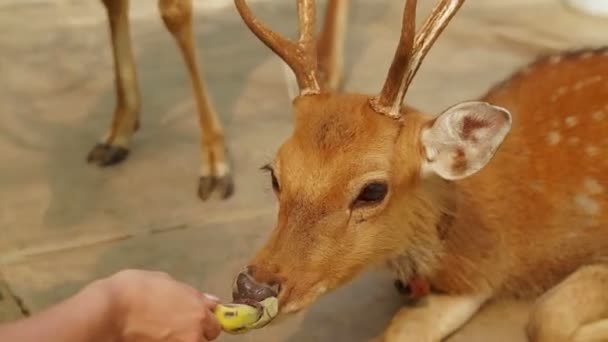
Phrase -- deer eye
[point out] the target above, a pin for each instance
(372, 193)
(273, 177)
(275, 182)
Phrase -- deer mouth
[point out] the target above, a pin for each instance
(247, 290)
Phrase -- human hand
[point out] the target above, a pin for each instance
(153, 307)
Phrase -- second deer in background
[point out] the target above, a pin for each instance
(215, 172)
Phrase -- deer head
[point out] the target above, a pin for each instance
(362, 179)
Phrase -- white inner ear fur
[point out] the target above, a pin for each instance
(464, 138)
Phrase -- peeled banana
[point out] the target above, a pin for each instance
(241, 318)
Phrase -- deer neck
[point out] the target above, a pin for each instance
(452, 248)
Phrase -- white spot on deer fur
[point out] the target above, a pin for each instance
(574, 140)
(586, 82)
(592, 186)
(555, 59)
(587, 204)
(595, 79)
(578, 85)
(591, 151)
(572, 235)
(559, 92)
(598, 115)
(571, 121)
(553, 137)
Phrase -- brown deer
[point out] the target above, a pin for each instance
(505, 196)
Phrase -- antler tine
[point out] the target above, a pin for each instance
(307, 19)
(301, 56)
(432, 28)
(390, 100)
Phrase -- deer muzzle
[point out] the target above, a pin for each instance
(247, 289)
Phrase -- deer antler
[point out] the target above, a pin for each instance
(301, 56)
(410, 53)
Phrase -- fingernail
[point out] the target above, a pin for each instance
(211, 297)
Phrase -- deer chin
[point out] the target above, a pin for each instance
(293, 307)
(297, 301)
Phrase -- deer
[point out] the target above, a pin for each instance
(113, 148)
(502, 196)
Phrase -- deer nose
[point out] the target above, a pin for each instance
(246, 287)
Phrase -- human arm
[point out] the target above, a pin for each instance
(128, 306)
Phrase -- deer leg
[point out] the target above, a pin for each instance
(330, 46)
(114, 146)
(433, 318)
(574, 310)
(215, 173)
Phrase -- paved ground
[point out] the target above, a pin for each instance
(64, 223)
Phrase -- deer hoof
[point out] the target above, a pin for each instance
(221, 185)
(106, 155)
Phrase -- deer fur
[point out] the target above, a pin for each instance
(502, 197)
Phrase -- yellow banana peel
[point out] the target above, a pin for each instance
(241, 318)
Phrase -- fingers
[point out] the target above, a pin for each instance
(211, 327)
(211, 297)
(210, 301)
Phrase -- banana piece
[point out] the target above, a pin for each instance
(235, 318)
(241, 318)
(270, 309)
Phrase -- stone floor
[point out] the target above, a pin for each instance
(64, 223)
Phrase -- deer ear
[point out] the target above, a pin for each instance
(463, 139)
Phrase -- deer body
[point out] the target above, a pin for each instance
(542, 200)
(503, 196)
(533, 216)
(538, 210)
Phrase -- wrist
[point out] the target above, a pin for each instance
(119, 291)
(102, 296)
